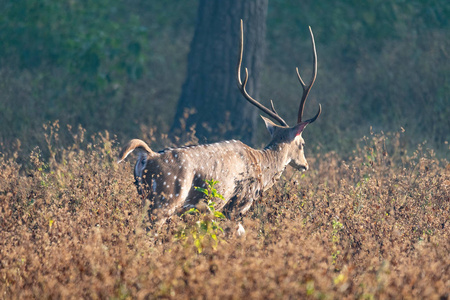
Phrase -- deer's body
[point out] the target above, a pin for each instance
(168, 178)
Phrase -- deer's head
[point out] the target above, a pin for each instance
(284, 136)
(290, 140)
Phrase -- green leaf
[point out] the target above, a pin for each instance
(202, 190)
(211, 182)
(215, 194)
(218, 214)
(203, 225)
(191, 211)
(198, 244)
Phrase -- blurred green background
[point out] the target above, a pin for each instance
(120, 65)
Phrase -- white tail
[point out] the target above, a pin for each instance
(168, 177)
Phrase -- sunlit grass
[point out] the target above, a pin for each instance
(374, 225)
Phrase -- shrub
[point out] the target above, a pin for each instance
(373, 225)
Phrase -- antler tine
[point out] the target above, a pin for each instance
(272, 107)
(241, 86)
(306, 88)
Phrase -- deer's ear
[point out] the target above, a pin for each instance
(269, 125)
(298, 129)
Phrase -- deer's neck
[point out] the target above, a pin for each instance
(273, 160)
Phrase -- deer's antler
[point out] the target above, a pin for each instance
(241, 85)
(272, 112)
(307, 88)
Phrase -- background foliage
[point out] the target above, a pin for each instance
(116, 66)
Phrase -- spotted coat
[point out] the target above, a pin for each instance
(168, 178)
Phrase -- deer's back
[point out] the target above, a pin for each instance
(173, 174)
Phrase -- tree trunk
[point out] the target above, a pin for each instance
(210, 98)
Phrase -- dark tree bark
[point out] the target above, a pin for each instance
(210, 90)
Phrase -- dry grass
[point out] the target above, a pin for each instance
(373, 226)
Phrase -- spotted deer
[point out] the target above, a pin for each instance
(168, 177)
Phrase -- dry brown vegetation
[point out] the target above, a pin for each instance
(375, 225)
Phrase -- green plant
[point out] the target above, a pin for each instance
(207, 226)
(337, 226)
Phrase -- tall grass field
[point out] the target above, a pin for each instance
(374, 225)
